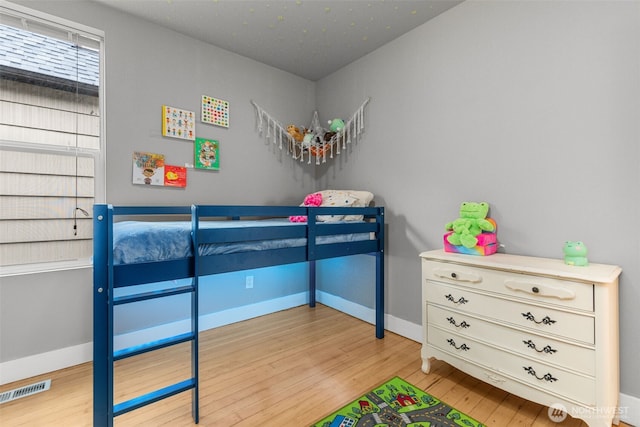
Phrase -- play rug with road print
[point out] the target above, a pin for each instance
(397, 403)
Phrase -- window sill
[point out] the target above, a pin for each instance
(21, 270)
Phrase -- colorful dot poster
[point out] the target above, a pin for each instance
(178, 123)
(207, 154)
(215, 111)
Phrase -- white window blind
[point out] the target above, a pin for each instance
(50, 145)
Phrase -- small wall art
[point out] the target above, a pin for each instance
(175, 176)
(215, 111)
(148, 168)
(207, 154)
(178, 123)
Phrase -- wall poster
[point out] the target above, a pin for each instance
(215, 111)
(175, 176)
(148, 168)
(207, 154)
(178, 123)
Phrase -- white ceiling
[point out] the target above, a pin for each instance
(309, 38)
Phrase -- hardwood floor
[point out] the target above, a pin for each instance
(289, 368)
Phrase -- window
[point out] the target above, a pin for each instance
(51, 154)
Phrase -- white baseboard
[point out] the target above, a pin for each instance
(27, 367)
(210, 321)
(393, 324)
(238, 314)
(30, 366)
(42, 363)
(630, 409)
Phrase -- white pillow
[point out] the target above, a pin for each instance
(344, 198)
(364, 200)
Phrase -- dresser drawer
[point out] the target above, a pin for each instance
(542, 320)
(543, 290)
(552, 379)
(540, 348)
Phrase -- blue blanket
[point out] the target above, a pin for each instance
(141, 241)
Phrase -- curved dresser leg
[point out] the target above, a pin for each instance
(426, 365)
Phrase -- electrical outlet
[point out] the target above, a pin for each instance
(249, 282)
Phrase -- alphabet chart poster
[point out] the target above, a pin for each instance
(178, 123)
(215, 111)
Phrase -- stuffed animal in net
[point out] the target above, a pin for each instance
(309, 139)
(336, 125)
(313, 199)
(296, 133)
(472, 222)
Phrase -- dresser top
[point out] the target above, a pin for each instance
(593, 273)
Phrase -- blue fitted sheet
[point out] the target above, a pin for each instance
(143, 241)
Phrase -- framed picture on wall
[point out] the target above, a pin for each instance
(215, 111)
(178, 123)
(175, 176)
(206, 154)
(148, 168)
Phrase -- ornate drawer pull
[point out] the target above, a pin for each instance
(546, 320)
(545, 377)
(458, 276)
(462, 324)
(546, 349)
(540, 289)
(460, 300)
(462, 346)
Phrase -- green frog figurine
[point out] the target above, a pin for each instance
(575, 253)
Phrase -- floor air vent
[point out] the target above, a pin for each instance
(25, 391)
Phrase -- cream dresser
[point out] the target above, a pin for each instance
(535, 327)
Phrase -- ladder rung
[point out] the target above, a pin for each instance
(152, 345)
(152, 294)
(154, 396)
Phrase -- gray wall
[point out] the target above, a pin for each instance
(530, 106)
(139, 79)
(45, 312)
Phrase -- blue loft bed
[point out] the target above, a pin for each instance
(141, 245)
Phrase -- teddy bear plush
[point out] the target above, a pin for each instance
(295, 133)
(470, 223)
(313, 199)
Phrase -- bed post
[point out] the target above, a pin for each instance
(195, 328)
(311, 253)
(312, 283)
(380, 275)
(102, 324)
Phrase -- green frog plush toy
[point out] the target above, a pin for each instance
(575, 253)
(471, 223)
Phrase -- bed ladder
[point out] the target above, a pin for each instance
(105, 410)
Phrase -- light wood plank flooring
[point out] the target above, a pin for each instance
(289, 368)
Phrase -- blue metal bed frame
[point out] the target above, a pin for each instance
(107, 277)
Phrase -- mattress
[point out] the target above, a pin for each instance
(141, 241)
